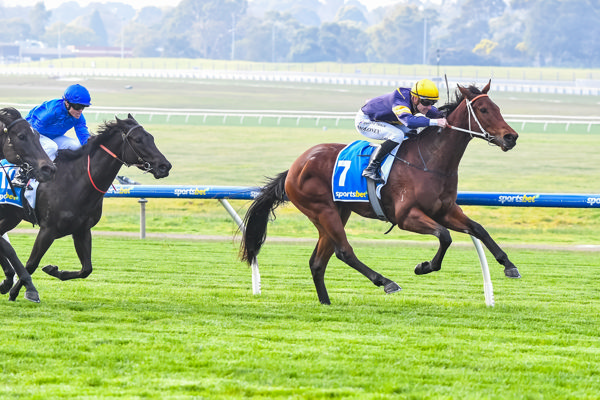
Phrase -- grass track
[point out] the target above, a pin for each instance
(177, 320)
(164, 320)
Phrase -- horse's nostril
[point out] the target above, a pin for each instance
(510, 139)
(48, 169)
(164, 167)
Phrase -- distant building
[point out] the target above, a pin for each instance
(9, 52)
(36, 52)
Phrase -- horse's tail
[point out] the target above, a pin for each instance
(257, 217)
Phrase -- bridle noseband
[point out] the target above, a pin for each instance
(471, 112)
(145, 165)
(141, 163)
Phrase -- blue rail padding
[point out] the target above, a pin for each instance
(184, 192)
(560, 200)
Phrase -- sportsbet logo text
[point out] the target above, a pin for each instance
(8, 197)
(351, 195)
(518, 198)
(593, 200)
(191, 191)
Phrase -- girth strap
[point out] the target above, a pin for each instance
(373, 199)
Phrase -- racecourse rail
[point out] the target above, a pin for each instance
(224, 193)
(589, 124)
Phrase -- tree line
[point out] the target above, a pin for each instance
(559, 33)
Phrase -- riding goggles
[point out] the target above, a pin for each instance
(77, 107)
(427, 102)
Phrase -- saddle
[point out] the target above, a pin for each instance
(17, 196)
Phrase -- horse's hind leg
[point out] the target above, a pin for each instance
(332, 224)
(318, 263)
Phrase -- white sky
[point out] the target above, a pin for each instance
(370, 4)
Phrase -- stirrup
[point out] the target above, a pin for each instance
(372, 174)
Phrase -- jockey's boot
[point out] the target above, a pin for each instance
(372, 170)
(21, 178)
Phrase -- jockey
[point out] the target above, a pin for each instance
(53, 118)
(390, 116)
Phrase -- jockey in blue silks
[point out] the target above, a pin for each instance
(53, 118)
(390, 116)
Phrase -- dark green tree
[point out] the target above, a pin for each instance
(399, 37)
(96, 24)
(343, 42)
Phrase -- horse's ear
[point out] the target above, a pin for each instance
(465, 92)
(130, 116)
(487, 87)
(117, 118)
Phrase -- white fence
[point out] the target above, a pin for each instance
(202, 116)
(574, 87)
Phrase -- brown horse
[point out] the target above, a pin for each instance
(420, 194)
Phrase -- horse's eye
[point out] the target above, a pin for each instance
(483, 110)
(21, 136)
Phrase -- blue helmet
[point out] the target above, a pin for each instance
(77, 94)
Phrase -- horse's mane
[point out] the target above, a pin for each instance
(9, 114)
(447, 108)
(105, 131)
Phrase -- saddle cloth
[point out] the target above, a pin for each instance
(7, 196)
(347, 182)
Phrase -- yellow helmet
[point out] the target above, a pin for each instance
(425, 89)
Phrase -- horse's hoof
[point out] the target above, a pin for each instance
(512, 273)
(423, 268)
(391, 287)
(5, 287)
(51, 270)
(32, 296)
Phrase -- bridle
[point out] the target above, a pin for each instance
(482, 135)
(7, 128)
(22, 165)
(470, 112)
(141, 163)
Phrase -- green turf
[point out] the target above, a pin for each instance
(178, 320)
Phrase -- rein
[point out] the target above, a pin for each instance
(424, 167)
(142, 164)
(483, 134)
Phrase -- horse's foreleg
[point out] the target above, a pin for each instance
(42, 242)
(458, 221)
(83, 247)
(10, 261)
(9, 274)
(417, 221)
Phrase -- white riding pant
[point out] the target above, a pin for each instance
(379, 130)
(51, 146)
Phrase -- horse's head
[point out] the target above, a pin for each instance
(140, 149)
(482, 115)
(20, 145)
